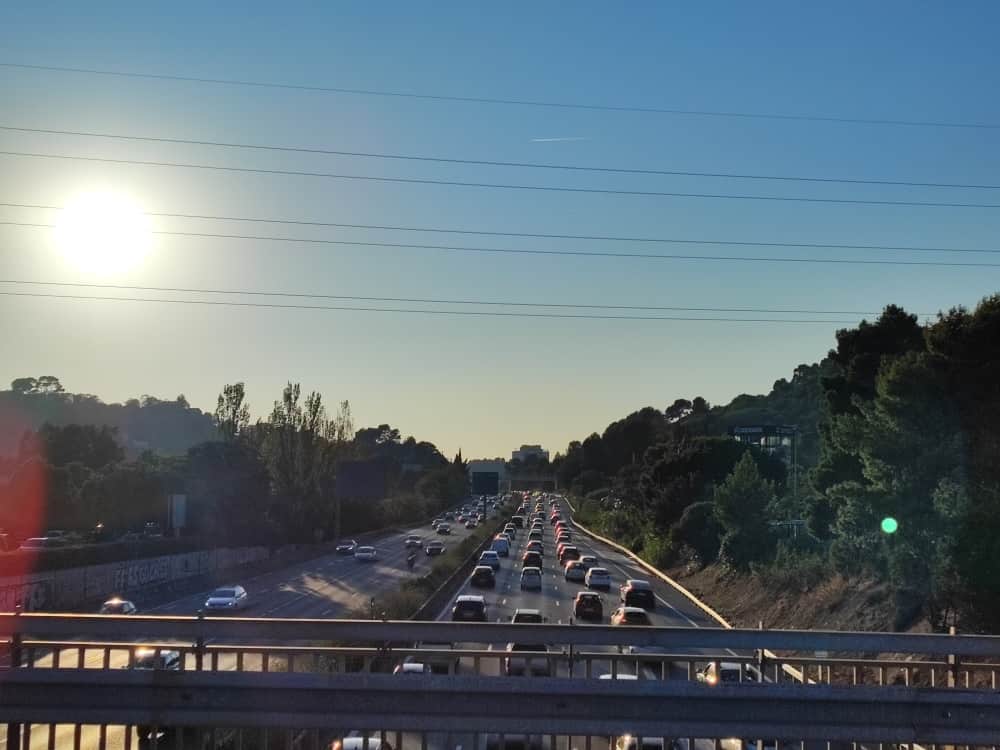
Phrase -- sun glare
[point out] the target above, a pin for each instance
(103, 233)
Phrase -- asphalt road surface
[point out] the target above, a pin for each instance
(329, 586)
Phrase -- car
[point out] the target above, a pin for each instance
(588, 561)
(574, 571)
(153, 658)
(554, 518)
(535, 546)
(531, 559)
(36, 543)
(147, 659)
(630, 616)
(357, 741)
(509, 535)
(531, 579)
(413, 540)
(569, 552)
(469, 608)
(227, 599)
(449, 516)
(366, 554)
(435, 522)
(483, 577)
(588, 606)
(511, 529)
(637, 593)
(117, 606)
(518, 663)
(518, 521)
(412, 667)
(434, 548)
(716, 672)
(471, 523)
(564, 537)
(444, 529)
(460, 518)
(437, 657)
(522, 615)
(560, 547)
(597, 578)
(491, 558)
(535, 536)
(501, 545)
(346, 547)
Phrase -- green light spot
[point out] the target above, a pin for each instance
(889, 525)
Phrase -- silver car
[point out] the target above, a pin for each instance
(227, 599)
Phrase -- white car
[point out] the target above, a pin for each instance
(226, 599)
(597, 578)
(413, 540)
(531, 579)
(365, 553)
(412, 667)
(588, 562)
(539, 666)
(118, 606)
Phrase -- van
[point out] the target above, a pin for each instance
(501, 545)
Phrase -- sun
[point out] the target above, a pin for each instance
(103, 233)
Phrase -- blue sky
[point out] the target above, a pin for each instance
(488, 384)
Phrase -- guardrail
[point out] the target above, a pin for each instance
(479, 705)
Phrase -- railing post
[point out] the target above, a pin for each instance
(199, 645)
(14, 728)
(759, 654)
(952, 663)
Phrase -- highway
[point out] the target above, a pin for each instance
(329, 586)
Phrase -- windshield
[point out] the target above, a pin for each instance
(223, 594)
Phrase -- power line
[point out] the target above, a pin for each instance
(409, 311)
(572, 253)
(355, 298)
(514, 102)
(496, 163)
(532, 235)
(502, 186)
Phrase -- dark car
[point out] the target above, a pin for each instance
(531, 559)
(483, 577)
(637, 593)
(518, 521)
(347, 547)
(434, 548)
(569, 552)
(588, 606)
(469, 608)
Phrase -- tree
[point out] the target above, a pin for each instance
(301, 464)
(94, 447)
(698, 529)
(678, 410)
(48, 384)
(741, 507)
(24, 386)
(232, 412)
(229, 490)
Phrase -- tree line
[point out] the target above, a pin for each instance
(899, 429)
(269, 481)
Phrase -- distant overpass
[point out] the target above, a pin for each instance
(285, 676)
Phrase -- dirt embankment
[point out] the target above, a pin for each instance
(836, 603)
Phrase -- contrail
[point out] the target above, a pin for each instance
(558, 140)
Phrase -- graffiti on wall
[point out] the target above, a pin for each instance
(65, 589)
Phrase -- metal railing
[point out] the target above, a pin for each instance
(935, 689)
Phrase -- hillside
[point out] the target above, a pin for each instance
(147, 423)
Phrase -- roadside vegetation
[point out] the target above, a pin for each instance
(272, 482)
(897, 474)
